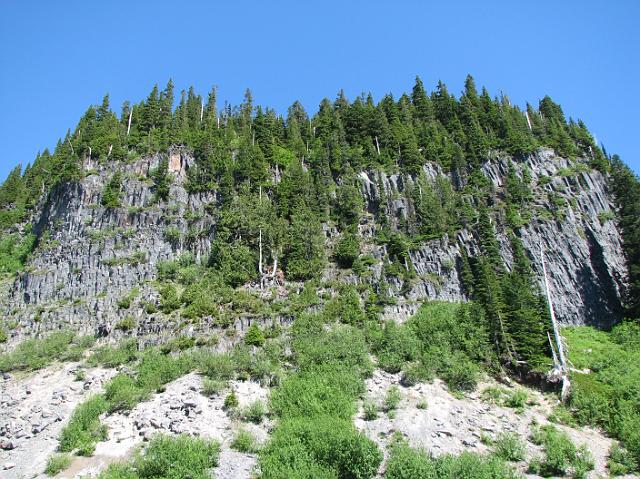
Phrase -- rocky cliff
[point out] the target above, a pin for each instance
(90, 257)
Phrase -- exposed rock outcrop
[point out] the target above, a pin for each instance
(89, 257)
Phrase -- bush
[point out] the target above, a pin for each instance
(84, 429)
(177, 457)
(324, 390)
(126, 324)
(254, 336)
(169, 299)
(509, 447)
(343, 345)
(370, 411)
(122, 393)
(244, 442)
(254, 412)
(111, 357)
(407, 463)
(392, 399)
(231, 401)
(34, 354)
(620, 461)
(517, 399)
(319, 447)
(57, 463)
(212, 387)
(561, 455)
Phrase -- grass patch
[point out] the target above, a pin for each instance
(57, 463)
(167, 457)
(244, 441)
(561, 456)
(609, 396)
(408, 463)
(509, 447)
(34, 354)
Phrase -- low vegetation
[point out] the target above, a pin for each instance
(166, 457)
(37, 353)
(57, 463)
(609, 395)
(408, 463)
(561, 456)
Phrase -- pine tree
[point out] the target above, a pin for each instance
(626, 190)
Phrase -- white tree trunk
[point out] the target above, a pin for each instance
(561, 368)
(129, 125)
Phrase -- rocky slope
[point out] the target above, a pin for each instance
(89, 257)
(428, 416)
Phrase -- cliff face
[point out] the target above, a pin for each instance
(90, 257)
(583, 248)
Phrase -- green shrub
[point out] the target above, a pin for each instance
(561, 455)
(57, 463)
(126, 324)
(122, 393)
(244, 441)
(323, 390)
(34, 354)
(509, 447)
(392, 399)
(3, 336)
(254, 336)
(113, 356)
(620, 461)
(370, 411)
(343, 345)
(168, 457)
(255, 412)
(317, 447)
(181, 343)
(517, 399)
(84, 429)
(231, 401)
(169, 299)
(212, 387)
(407, 463)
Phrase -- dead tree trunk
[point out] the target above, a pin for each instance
(129, 125)
(560, 369)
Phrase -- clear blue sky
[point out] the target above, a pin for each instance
(56, 58)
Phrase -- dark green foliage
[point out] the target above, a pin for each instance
(444, 339)
(347, 249)
(161, 180)
(626, 190)
(254, 336)
(305, 253)
(112, 191)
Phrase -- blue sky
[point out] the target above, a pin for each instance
(56, 58)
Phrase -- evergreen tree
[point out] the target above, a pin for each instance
(626, 190)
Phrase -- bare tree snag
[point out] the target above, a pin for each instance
(560, 369)
(129, 125)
